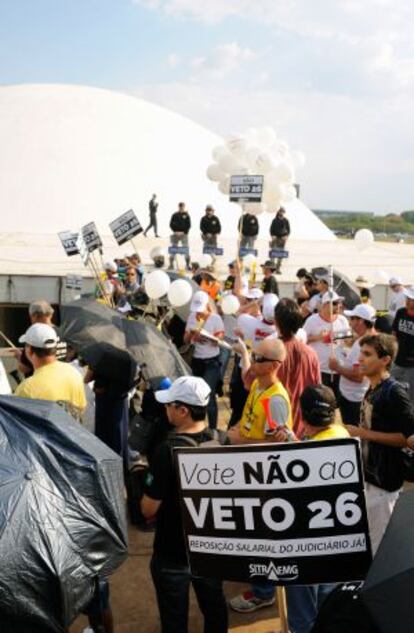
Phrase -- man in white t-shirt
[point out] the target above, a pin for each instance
(206, 357)
(397, 296)
(352, 384)
(322, 330)
(322, 285)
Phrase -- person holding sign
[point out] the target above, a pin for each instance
(186, 404)
(180, 225)
(279, 233)
(153, 208)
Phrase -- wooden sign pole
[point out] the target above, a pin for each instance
(282, 608)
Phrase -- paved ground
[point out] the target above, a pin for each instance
(133, 598)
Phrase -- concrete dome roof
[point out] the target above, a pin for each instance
(73, 154)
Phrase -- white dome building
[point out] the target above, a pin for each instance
(73, 154)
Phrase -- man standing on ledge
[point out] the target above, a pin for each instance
(210, 227)
(180, 225)
(153, 208)
(279, 233)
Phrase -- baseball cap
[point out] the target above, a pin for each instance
(187, 389)
(40, 335)
(318, 405)
(269, 303)
(362, 311)
(362, 282)
(409, 292)
(331, 296)
(110, 265)
(269, 264)
(253, 293)
(395, 281)
(199, 301)
(324, 278)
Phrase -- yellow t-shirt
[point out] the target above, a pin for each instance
(58, 382)
(265, 410)
(333, 432)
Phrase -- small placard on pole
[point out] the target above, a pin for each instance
(68, 239)
(74, 282)
(246, 188)
(91, 237)
(278, 253)
(125, 227)
(213, 250)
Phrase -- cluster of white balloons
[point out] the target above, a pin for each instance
(157, 284)
(258, 152)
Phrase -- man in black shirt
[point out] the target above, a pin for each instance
(210, 227)
(248, 229)
(403, 330)
(231, 279)
(180, 225)
(153, 208)
(186, 403)
(279, 233)
(269, 282)
(386, 426)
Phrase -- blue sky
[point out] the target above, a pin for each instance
(334, 77)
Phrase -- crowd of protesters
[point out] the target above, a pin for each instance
(292, 369)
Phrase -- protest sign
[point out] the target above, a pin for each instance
(246, 188)
(68, 239)
(291, 513)
(82, 249)
(91, 237)
(74, 282)
(178, 250)
(278, 253)
(125, 227)
(244, 250)
(213, 250)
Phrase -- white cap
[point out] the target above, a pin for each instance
(362, 311)
(199, 302)
(253, 293)
(331, 296)
(395, 281)
(110, 265)
(409, 292)
(269, 303)
(40, 335)
(187, 389)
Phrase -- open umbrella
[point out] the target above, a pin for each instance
(343, 286)
(388, 589)
(62, 516)
(85, 322)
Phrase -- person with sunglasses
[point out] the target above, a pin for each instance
(267, 409)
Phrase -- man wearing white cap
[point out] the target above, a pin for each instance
(352, 384)
(206, 356)
(186, 403)
(52, 379)
(403, 329)
(321, 329)
(397, 296)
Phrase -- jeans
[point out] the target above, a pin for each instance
(209, 370)
(153, 223)
(247, 241)
(303, 604)
(172, 585)
(264, 590)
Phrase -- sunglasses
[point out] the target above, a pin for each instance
(258, 358)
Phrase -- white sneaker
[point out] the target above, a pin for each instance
(246, 603)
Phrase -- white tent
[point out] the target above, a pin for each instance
(72, 154)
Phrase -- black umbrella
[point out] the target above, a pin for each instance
(388, 589)
(62, 516)
(343, 286)
(148, 346)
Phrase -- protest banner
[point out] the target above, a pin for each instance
(245, 250)
(246, 188)
(68, 240)
(178, 250)
(291, 513)
(74, 282)
(278, 253)
(217, 251)
(126, 227)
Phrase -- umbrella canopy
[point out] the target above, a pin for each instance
(388, 589)
(85, 322)
(343, 286)
(62, 515)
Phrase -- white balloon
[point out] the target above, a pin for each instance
(214, 172)
(236, 145)
(266, 136)
(179, 293)
(283, 172)
(364, 238)
(264, 164)
(283, 148)
(224, 185)
(157, 284)
(251, 136)
(251, 157)
(229, 164)
(230, 304)
(218, 152)
(205, 260)
(249, 260)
